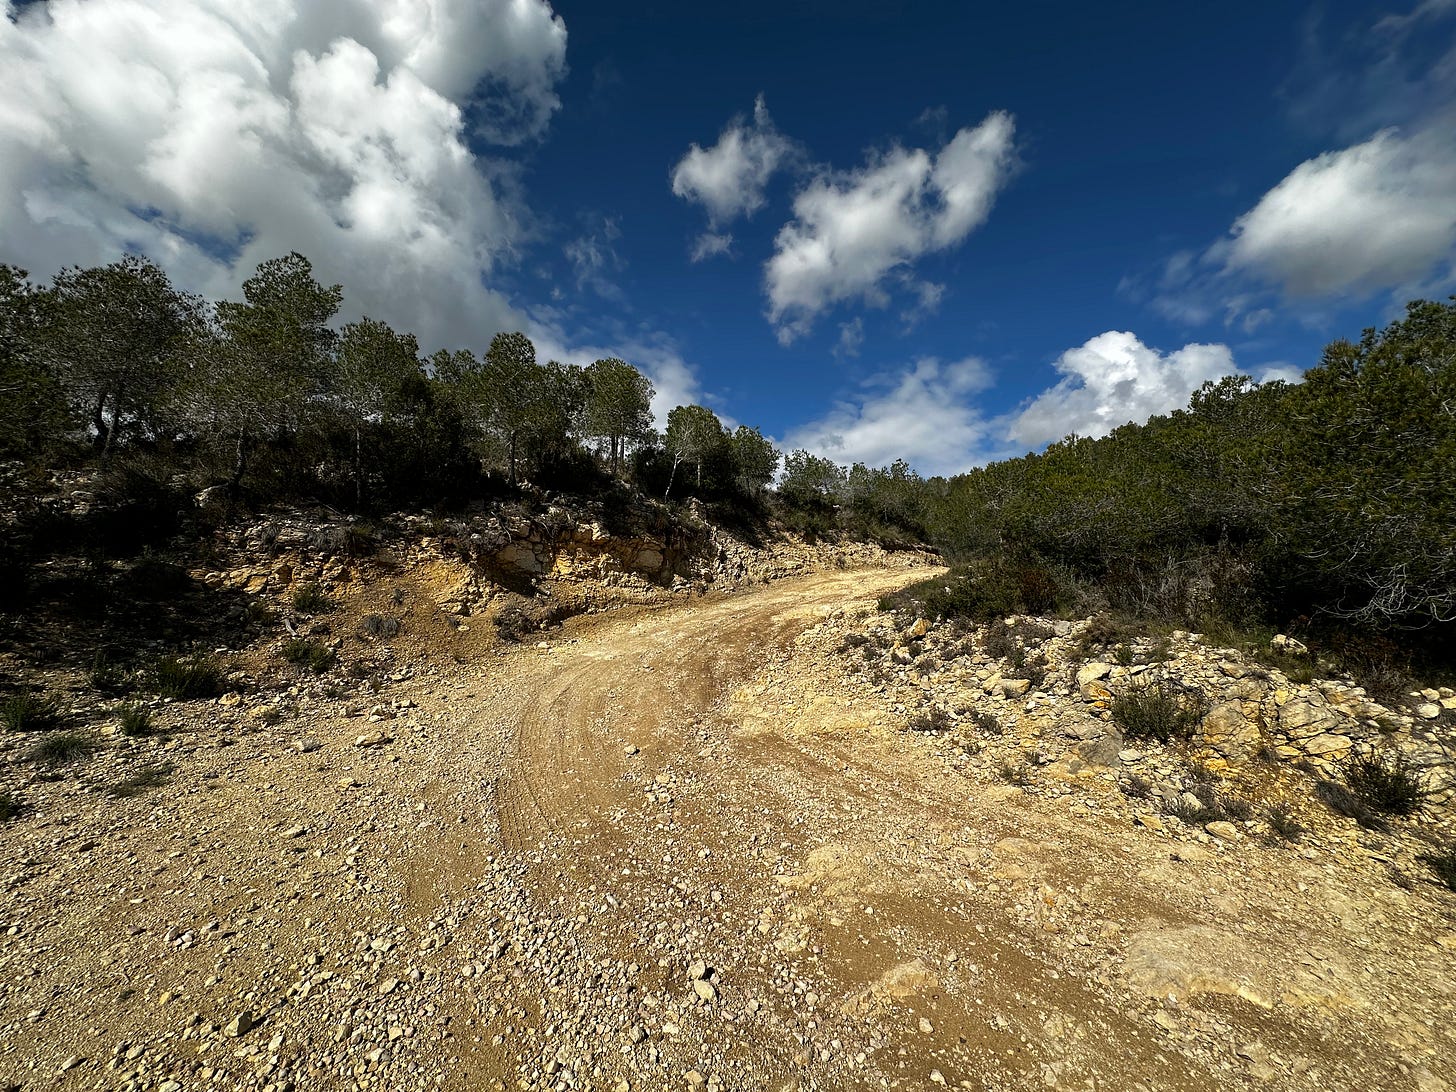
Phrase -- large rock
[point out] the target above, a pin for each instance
(1091, 684)
(1304, 719)
(1229, 732)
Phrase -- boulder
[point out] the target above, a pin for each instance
(1228, 731)
(1304, 719)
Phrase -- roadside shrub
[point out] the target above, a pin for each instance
(134, 720)
(1159, 712)
(1000, 641)
(986, 723)
(1387, 783)
(517, 621)
(311, 599)
(932, 719)
(1109, 629)
(30, 712)
(379, 626)
(11, 806)
(314, 655)
(853, 640)
(1015, 773)
(108, 677)
(59, 748)
(186, 678)
(992, 588)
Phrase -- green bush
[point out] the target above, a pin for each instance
(311, 599)
(990, 589)
(30, 712)
(1387, 783)
(314, 655)
(134, 720)
(108, 677)
(1159, 712)
(59, 748)
(186, 678)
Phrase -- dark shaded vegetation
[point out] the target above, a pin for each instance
(1443, 864)
(185, 678)
(1160, 711)
(312, 655)
(1388, 783)
(1320, 509)
(1283, 824)
(27, 711)
(60, 748)
(135, 721)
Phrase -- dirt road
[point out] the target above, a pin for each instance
(672, 850)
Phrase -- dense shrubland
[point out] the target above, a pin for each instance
(1323, 508)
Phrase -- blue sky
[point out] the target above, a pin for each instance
(948, 232)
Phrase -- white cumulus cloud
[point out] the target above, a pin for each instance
(1113, 379)
(922, 414)
(212, 135)
(851, 230)
(729, 179)
(1371, 217)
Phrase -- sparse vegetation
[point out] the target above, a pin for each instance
(1136, 788)
(11, 806)
(27, 711)
(312, 599)
(1159, 712)
(134, 720)
(313, 655)
(931, 719)
(379, 626)
(186, 678)
(1386, 782)
(107, 676)
(1342, 799)
(60, 748)
(1015, 772)
(986, 723)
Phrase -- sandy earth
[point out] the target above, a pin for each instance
(670, 849)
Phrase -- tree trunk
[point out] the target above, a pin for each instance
(240, 462)
(358, 472)
(671, 476)
(98, 419)
(513, 459)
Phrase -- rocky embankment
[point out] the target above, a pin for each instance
(578, 556)
(1253, 753)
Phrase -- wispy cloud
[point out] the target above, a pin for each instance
(853, 230)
